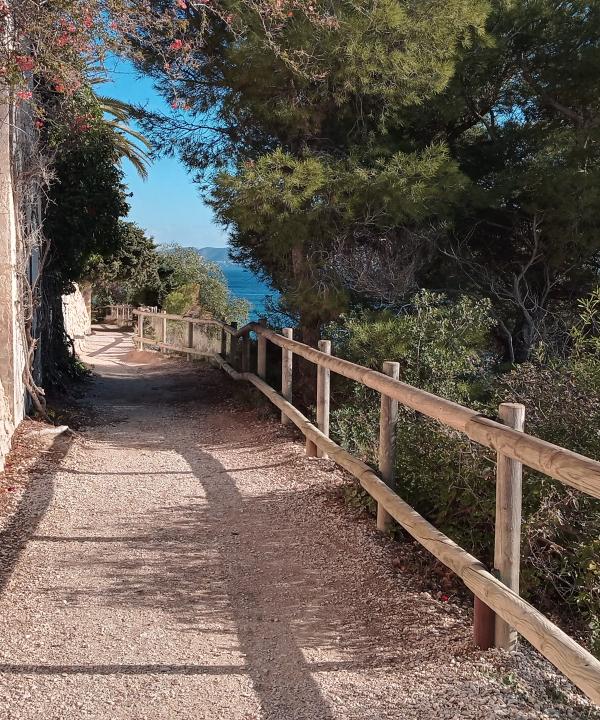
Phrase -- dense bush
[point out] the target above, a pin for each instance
(445, 348)
(193, 284)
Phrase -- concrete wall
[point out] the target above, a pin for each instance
(77, 315)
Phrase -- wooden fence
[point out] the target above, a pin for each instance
(176, 333)
(499, 610)
(120, 314)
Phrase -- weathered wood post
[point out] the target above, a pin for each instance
(286, 372)
(507, 547)
(388, 417)
(323, 395)
(140, 329)
(223, 344)
(190, 338)
(311, 448)
(241, 352)
(488, 629)
(164, 330)
(233, 348)
(261, 358)
(483, 625)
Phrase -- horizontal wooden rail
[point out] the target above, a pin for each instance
(569, 467)
(580, 666)
(181, 318)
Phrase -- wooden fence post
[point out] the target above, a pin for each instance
(507, 548)
(261, 358)
(488, 628)
(484, 619)
(140, 319)
(286, 372)
(311, 447)
(388, 418)
(164, 330)
(323, 395)
(245, 345)
(190, 338)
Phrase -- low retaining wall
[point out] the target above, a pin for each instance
(77, 315)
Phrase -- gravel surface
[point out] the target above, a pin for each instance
(181, 558)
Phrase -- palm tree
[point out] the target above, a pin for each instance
(128, 141)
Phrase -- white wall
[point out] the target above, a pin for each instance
(76, 314)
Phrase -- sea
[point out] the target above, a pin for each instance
(245, 284)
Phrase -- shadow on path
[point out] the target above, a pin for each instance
(32, 507)
(257, 563)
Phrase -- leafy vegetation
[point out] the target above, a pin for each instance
(191, 283)
(130, 274)
(444, 347)
(82, 219)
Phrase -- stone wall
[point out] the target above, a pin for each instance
(11, 383)
(15, 145)
(77, 315)
(7, 427)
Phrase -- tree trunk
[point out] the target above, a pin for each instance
(523, 337)
(58, 353)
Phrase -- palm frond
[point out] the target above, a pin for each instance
(126, 136)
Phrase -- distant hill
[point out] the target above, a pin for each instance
(215, 254)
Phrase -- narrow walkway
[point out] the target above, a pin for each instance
(185, 560)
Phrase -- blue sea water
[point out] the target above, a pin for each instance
(245, 284)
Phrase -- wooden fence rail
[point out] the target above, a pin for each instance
(514, 448)
(122, 313)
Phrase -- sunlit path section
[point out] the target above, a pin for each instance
(181, 558)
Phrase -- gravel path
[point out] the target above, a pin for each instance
(183, 559)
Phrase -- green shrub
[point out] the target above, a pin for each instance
(194, 283)
(183, 299)
(561, 527)
(443, 347)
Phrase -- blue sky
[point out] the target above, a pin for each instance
(167, 205)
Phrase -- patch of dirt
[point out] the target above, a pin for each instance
(144, 357)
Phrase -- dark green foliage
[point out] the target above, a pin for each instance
(310, 137)
(451, 480)
(130, 274)
(522, 117)
(454, 145)
(85, 202)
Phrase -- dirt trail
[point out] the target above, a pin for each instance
(183, 559)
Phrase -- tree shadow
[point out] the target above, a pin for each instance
(255, 564)
(32, 507)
